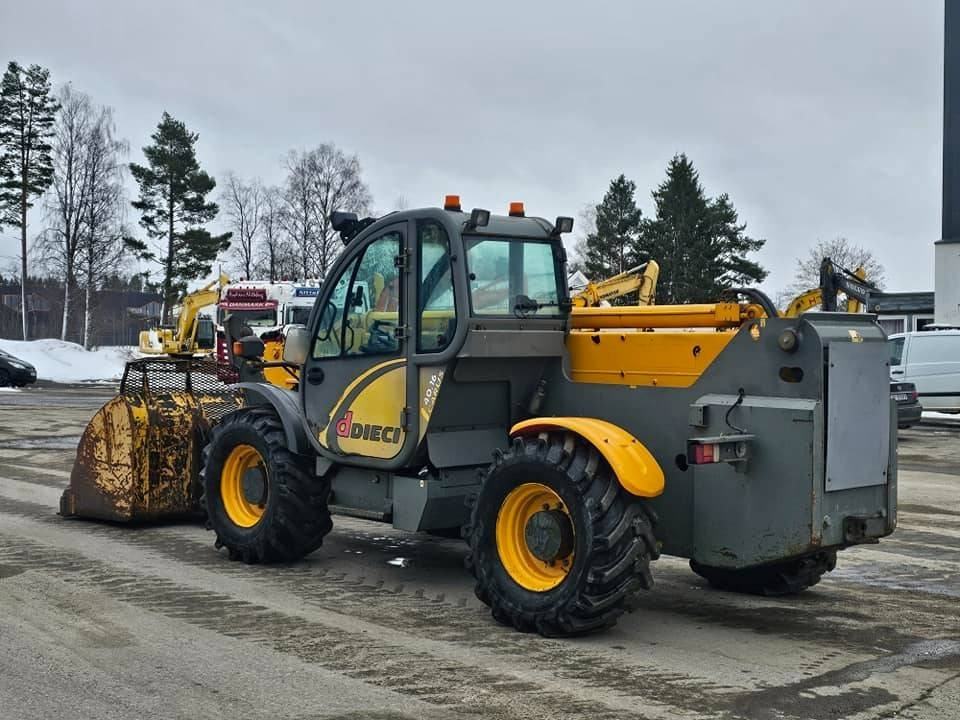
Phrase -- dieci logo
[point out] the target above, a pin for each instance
(347, 428)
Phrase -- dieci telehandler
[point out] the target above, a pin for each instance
(754, 445)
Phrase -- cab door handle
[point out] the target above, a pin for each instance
(315, 375)
(896, 372)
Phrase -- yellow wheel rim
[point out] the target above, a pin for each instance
(536, 565)
(243, 486)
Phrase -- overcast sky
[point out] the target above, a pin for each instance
(818, 118)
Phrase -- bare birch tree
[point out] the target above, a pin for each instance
(102, 247)
(298, 215)
(320, 181)
(337, 185)
(274, 258)
(244, 206)
(67, 200)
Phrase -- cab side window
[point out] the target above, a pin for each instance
(376, 297)
(328, 341)
(366, 306)
(437, 317)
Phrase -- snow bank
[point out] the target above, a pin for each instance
(67, 362)
(933, 415)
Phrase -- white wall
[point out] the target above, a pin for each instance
(947, 283)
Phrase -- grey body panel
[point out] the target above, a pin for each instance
(855, 450)
(776, 505)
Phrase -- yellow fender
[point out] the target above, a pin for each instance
(636, 469)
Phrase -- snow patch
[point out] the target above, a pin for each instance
(66, 362)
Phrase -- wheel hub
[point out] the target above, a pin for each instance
(254, 486)
(549, 535)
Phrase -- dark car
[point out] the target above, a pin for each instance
(908, 407)
(14, 372)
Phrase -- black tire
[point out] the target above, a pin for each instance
(295, 517)
(5, 378)
(612, 544)
(786, 578)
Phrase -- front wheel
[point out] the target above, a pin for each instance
(556, 545)
(785, 578)
(260, 498)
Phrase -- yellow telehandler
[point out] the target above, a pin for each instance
(617, 433)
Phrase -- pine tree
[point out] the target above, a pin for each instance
(698, 241)
(173, 209)
(27, 114)
(611, 248)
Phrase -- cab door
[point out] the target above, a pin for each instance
(354, 381)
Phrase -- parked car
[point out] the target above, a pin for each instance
(15, 372)
(909, 408)
(930, 359)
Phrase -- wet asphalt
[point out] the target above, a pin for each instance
(100, 620)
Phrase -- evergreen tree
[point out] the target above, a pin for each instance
(173, 209)
(698, 241)
(611, 247)
(27, 114)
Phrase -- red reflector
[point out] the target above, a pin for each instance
(703, 454)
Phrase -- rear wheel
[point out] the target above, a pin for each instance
(556, 545)
(786, 578)
(260, 498)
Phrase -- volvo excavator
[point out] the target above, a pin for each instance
(834, 279)
(570, 444)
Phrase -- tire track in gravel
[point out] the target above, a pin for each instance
(461, 688)
(408, 611)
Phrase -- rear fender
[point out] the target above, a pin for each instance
(287, 406)
(636, 469)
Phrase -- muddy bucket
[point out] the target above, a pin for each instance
(139, 456)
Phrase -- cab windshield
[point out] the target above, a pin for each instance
(298, 315)
(512, 276)
(252, 318)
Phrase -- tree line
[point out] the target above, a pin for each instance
(63, 150)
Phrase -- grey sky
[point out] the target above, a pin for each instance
(818, 118)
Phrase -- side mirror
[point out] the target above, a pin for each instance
(295, 345)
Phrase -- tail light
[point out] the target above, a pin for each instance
(722, 448)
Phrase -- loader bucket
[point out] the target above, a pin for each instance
(139, 457)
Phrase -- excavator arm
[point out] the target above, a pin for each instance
(834, 279)
(642, 278)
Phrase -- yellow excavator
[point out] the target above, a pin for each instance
(642, 278)
(193, 334)
(834, 279)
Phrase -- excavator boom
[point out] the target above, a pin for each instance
(834, 279)
(642, 278)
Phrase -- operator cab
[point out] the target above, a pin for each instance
(428, 298)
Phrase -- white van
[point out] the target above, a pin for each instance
(930, 359)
